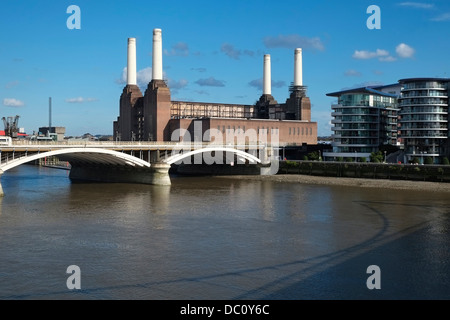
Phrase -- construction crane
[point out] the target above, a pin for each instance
(11, 126)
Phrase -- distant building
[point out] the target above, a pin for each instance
(364, 119)
(56, 133)
(153, 116)
(424, 118)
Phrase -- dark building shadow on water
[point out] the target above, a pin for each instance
(410, 269)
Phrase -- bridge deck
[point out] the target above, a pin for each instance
(24, 146)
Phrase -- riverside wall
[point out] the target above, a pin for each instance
(432, 173)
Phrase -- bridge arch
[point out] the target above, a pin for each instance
(96, 155)
(180, 156)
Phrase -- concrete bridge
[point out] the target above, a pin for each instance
(133, 162)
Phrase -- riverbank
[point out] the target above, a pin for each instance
(351, 182)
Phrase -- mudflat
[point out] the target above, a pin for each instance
(351, 182)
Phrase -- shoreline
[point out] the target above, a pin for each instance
(349, 182)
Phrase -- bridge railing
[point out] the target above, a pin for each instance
(132, 144)
(6, 157)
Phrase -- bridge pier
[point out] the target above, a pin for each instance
(160, 176)
(156, 174)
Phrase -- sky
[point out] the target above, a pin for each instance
(212, 52)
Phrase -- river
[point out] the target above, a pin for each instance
(219, 238)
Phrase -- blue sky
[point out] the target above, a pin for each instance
(213, 52)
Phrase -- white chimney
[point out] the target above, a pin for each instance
(131, 63)
(298, 77)
(157, 55)
(267, 89)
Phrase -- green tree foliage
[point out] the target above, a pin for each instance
(314, 156)
(415, 160)
(376, 157)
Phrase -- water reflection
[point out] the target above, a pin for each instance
(216, 238)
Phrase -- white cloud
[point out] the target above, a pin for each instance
(404, 51)
(173, 84)
(258, 83)
(323, 119)
(12, 84)
(11, 102)
(80, 100)
(442, 17)
(387, 59)
(418, 5)
(123, 77)
(294, 41)
(144, 76)
(230, 51)
(235, 53)
(179, 49)
(364, 54)
(199, 69)
(352, 73)
(210, 82)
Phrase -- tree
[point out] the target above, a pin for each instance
(445, 161)
(313, 156)
(428, 160)
(376, 157)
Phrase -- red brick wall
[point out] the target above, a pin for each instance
(289, 132)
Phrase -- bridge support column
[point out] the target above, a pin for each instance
(160, 174)
(269, 163)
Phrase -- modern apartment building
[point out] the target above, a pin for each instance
(424, 117)
(363, 119)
